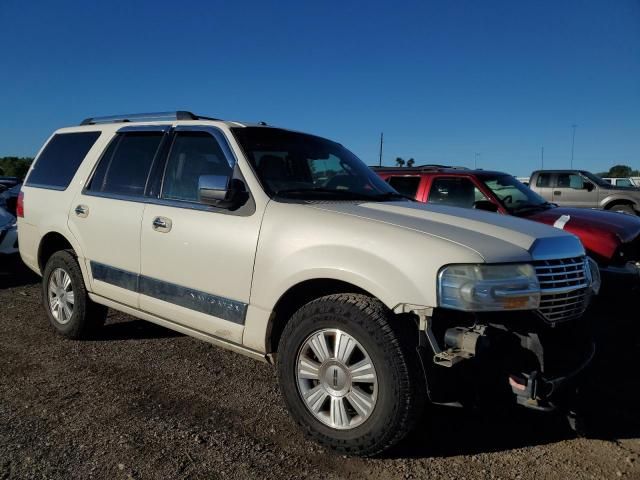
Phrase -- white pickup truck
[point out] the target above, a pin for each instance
(285, 247)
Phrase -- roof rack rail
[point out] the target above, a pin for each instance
(145, 117)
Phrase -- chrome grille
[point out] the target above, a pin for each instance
(564, 285)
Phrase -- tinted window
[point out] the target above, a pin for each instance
(406, 185)
(192, 154)
(125, 165)
(61, 158)
(544, 180)
(456, 192)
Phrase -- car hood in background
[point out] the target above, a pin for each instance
(600, 231)
(497, 238)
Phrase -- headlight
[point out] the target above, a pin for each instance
(593, 275)
(478, 288)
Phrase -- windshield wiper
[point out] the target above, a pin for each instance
(531, 208)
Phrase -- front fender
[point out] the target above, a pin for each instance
(367, 271)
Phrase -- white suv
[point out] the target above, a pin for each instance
(285, 247)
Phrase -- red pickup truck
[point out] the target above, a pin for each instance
(610, 238)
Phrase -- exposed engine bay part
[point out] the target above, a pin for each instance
(515, 358)
(460, 343)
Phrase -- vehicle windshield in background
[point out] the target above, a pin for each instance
(516, 197)
(306, 167)
(595, 179)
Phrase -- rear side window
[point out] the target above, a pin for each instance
(406, 185)
(60, 159)
(124, 167)
(544, 180)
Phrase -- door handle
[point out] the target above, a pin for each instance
(557, 192)
(82, 211)
(161, 224)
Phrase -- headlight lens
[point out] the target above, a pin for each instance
(480, 288)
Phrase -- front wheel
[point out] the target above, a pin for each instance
(349, 374)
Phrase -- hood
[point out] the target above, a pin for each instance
(496, 238)
(600, 231)
(6, 218)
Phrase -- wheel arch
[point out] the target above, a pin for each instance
(51, 243)
(298, 295)
(610, 202)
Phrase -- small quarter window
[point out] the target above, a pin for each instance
(60, 159)
(406, 185)
(125, 165)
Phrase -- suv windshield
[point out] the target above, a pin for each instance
(515, 196)
(306, 167)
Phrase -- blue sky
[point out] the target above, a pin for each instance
(442, 79)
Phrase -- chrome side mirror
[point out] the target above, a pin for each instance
(215, 190)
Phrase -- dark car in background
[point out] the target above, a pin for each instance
(612, 239)
(9, 198)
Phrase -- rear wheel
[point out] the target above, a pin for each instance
(69, 308)
(349, 374)
(623, 209)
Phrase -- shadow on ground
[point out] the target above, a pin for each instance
(133, 330)
(609, 397)
(14, 273)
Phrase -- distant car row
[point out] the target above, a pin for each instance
(9, 190)
(612, 239)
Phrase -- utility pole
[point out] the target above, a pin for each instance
(542, 158)
(573, 142)
(475, 160)
(381, 140)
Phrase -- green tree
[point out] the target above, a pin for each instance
(400, 162)
(15, 166)
(618, 171)
(411, 162)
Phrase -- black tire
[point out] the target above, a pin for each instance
(391, 345)
(628, 209)
(87, 316)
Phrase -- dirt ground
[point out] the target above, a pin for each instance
(141, 401)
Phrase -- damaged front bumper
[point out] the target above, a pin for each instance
(493, 359)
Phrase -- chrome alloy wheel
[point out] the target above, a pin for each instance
(61, 297)
(336, 379)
